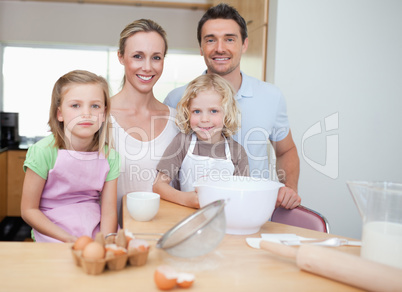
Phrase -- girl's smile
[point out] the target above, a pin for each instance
(206, 116)
(206, 129)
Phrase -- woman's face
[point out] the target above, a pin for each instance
(143, 60)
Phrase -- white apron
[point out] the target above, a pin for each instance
(196, 166)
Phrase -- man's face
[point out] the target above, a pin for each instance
(222, 46)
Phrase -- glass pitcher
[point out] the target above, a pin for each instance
(380, 206)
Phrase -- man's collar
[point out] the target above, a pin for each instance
(246, 90)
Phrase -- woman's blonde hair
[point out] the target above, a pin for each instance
(62, 85)
(231, 120)
(141, 25)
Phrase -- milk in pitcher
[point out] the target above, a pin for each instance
(382, 242)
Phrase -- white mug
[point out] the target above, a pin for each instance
(143, 206)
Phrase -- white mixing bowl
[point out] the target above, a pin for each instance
(250, 201)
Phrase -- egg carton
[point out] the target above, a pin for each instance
(133, 257)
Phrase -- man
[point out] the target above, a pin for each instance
(222, 36)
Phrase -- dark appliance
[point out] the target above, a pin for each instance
(9, 129)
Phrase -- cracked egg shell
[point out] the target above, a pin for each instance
(117, 250)
(185, 280)
(138, 244)
(165, 277)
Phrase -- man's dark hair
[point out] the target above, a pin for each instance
(222, 11)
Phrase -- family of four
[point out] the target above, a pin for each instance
(102, 148)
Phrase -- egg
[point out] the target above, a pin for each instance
(165, 277)
(129, 236)
(93, 251)
(117, 250)
(81, 242)
(185, 280)
(138, 244)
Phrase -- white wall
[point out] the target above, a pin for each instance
(341, 57)
(91, 24)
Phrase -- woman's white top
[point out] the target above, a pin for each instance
(139, 158)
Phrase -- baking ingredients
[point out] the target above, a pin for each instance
(129, 235)
(185, 280)
(115, 249)
(81, 242)
(382, 243)
(111, 253)
(93, 251)
(138, 244)
(166, 278)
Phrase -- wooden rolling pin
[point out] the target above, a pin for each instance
(340, 266)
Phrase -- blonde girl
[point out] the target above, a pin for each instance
(71, 175)
(207, 116)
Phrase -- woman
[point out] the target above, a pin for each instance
(142, 126)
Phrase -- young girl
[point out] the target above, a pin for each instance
(207, 116)
(71, 175)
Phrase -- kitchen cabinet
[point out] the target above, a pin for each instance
(3, 185)
(11, 181)
(255, 13)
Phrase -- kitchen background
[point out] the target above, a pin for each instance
(338, 63)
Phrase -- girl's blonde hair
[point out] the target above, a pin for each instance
(62, 85)
(231, 120)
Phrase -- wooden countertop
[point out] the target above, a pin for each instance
(232, 266)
